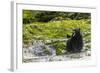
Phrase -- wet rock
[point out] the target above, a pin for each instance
(40, 49)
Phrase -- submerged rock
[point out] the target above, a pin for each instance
(40, 49)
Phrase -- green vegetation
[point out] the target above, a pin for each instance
(30, 16)
(44, 25)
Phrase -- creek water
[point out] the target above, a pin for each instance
(40, 52)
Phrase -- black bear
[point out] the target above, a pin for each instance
(75, 43)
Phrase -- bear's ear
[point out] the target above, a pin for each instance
(79, 28)
(76, 29)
